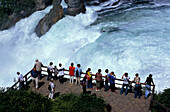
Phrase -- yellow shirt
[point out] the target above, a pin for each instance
(88, 73)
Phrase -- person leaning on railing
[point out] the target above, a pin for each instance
(50, 71)
(20, 80)
(125, 83)
(138, 86)
(61, 73)
(34, 76)
(78, 72)
(38, 68)
(89, 79)
(106, 80)
(71, 73)
(147, 83)
(98, 78)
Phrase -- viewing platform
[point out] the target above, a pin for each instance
(117, 102)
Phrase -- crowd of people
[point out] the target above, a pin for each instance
(86, 83)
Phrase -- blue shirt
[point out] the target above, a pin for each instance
(79, 71)
(111, 79)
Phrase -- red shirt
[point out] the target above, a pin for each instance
(71, 70)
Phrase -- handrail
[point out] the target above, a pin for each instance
(26, 78)
(163, 106)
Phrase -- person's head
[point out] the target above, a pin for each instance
(34, 69)
(112, 73)
(60, 64)
(18, 73)
(78, 65)
(51, 63)
(51, 80)
(126, 74)
(136, 74)
(72, 64)
(99, 70)
(107, 71)
(89, 69)
(55, 66)
(150, 75)
(36, 60)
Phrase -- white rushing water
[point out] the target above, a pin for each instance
(132, 39)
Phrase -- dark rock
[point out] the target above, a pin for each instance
(42, 4)
(11, 19)
(75, 7)
(55, 14)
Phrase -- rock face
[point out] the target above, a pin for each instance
(41, 4)
(9, 21)
(75, 7)
(55, 14)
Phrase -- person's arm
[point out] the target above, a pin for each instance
(42, 65)
(145, 81)
(153, 82)
(123, 76)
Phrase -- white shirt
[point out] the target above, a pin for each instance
(52, 86)
(20, 78)
(50, 68)
(61, 73)
(126, 80)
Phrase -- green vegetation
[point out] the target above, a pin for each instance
(163, 98)
(7, 7)
(23, 101)
(28, 101)
(74, 103)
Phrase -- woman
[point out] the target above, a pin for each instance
(89, 78)
(98, 80)
(137, 86)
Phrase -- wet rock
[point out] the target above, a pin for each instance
(42, 4)
(75, 7)
(55, 14)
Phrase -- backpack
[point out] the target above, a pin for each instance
(77, 73)
(48, 70)
(49, 87)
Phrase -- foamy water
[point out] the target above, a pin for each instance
(134, 39)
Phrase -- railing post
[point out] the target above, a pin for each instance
(26, 81)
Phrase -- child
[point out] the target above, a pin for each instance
(83, 83)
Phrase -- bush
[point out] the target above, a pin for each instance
(23, 101)
(7, 7)
(82, 103)
(28, 101)
(163, 98)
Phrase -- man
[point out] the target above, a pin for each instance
(61, 73)
(106, 80)
(34, 76)
(20, 80)
(38, 68)
(147, 83)
(71, 73)
(125, 83)
(78, 72)
(52, 89)
(112, 78)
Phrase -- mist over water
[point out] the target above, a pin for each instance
(132, 38)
